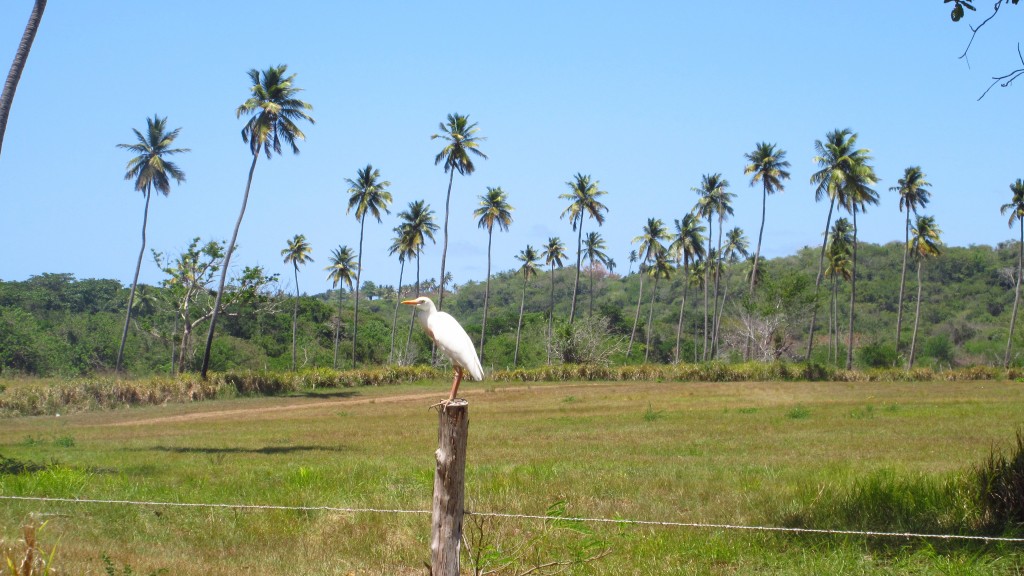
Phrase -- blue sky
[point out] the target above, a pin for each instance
(645, 97)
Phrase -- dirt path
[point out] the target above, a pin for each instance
(248, 412)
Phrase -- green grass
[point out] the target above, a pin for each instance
(864, 455)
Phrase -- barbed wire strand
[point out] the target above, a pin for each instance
(620, 521)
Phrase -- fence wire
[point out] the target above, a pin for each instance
(618, 521)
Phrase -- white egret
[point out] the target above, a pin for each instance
(450, 338)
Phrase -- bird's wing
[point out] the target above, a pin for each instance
(455, 343)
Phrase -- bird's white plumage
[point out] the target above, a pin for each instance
(449, 336)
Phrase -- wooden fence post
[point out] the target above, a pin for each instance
(449, 488)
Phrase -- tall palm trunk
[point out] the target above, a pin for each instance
(519, 326)
(917, 316)
(760, 234)
(359, 272)
(718, 321)
(718, 275)
(903, 279)
(337, 327)
(707, 278)
(20, 57)
(853, 295)
(227, 264)
(295, 315)
(444, 247)
(412, 316)
(636, 317)
(590, 310)
(650, 320)
(579, 261)
(817, 281)
(394, 318)
(487, 293)
(551, 312)
(682, 306)
(835, 313)
(1016, 293)
(135, 283)
(833, 320)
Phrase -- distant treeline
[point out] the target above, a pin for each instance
(57, 325)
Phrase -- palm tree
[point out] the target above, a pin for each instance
(853, 196)
(342, 270)
(1016, 209)
(768, 165)
(651, 247)
(297, 253)
(20, 57)
(150, 169)
(494, 209)
(914, 194)
(403, 245)
(594, 250)
(554, 253)
(462, 140)
(839, 252)
(836, 157)
(687, 246)
(583, 201)
(714, 200)
(419, 219)
(368, 195)
(274, 109)
(925, 243)
(736, 247)
(660, 268)
(632, 260)
(529, 259)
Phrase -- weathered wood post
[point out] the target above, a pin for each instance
(449, 488)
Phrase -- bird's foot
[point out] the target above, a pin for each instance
(443, 404)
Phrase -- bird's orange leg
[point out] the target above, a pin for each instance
(455, 383)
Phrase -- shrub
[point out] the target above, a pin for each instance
(1001, 481)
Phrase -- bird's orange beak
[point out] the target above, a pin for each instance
(410, 302)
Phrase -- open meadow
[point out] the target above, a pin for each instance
(856, 456)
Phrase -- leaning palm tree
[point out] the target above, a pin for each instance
(368, 194)
(554, 253)
(914, 194)
(297, 253)
(714, 200)
(1016, 209)
(419, 219)
(18, 65)
(462, 141)
(924, 243)
(150, 169)
(687, 246)
(768, 165)
(659, 268)
(275, 110)
(836, 158)
(583, 201)
(342, 270)
(855, 194)
(651, 247)
(839, 253)
(594, 251)
(529, 258)
(494, 209)
(736, 247)
(404, 245)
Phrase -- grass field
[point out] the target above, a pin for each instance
(879, 455)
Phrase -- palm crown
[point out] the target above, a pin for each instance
(275, 111)
(367, 193)
(494, 209)
(298, 251)
(150, 168)
(342, 268)
(462, 141)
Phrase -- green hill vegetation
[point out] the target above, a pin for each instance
(57, 325)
